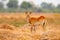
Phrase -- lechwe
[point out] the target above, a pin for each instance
(33, 20)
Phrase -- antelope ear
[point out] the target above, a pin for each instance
(26, 12)
(30, 12)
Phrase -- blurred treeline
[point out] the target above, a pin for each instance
(12, 6)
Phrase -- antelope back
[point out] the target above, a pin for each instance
(41, 18)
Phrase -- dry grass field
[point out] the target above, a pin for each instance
(13, 26)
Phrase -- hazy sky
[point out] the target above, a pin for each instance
(37, 2)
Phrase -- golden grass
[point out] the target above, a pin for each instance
(14, 27)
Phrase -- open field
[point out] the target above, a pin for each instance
(17, 27)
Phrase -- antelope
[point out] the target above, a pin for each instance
(33, 20)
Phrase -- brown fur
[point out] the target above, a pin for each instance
(33, 20)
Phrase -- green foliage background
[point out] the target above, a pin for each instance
(12, 6)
